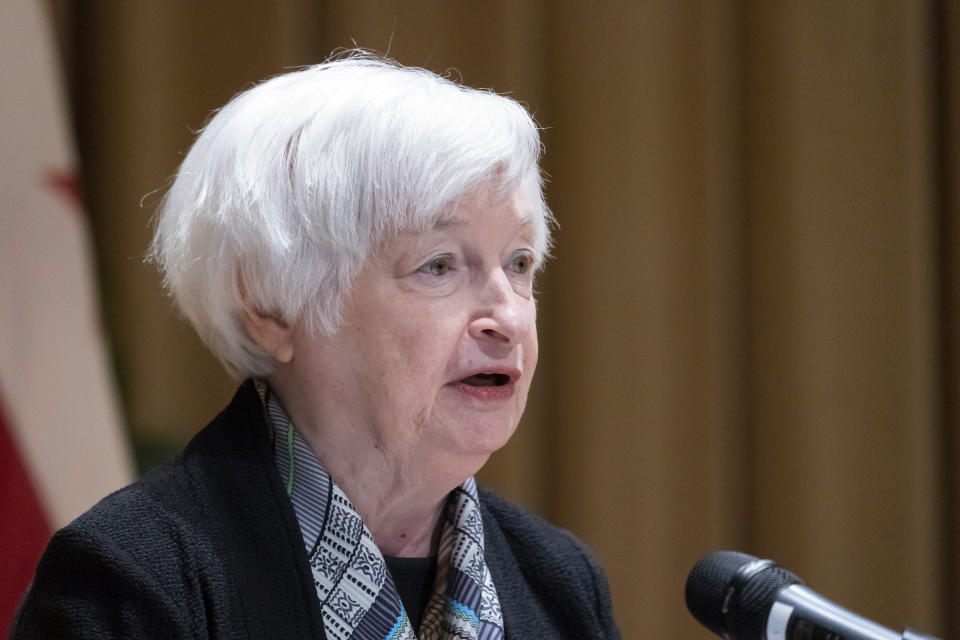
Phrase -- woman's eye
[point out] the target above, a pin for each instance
(522, 263)
(439, 266)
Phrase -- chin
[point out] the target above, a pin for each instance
(483, 437)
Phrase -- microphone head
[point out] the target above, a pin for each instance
(731, 593)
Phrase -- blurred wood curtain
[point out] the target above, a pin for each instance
(750, 330)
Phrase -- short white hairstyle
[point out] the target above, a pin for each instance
(292, 184)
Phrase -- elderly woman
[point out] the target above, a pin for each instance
(358, 240)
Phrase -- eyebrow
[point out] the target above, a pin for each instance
(447, 223)
(450, 222)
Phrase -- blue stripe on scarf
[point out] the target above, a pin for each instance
(464, 611)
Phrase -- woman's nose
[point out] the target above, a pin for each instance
(503, 315)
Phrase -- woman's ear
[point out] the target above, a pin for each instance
(270, 332)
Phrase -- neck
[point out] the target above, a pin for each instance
(399, 491)
(402, 512)
(402, 526)
(400, 507)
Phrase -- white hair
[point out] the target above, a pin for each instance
(293, 183)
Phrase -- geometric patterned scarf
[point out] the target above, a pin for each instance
(357, 594)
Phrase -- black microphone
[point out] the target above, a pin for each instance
(742, 598)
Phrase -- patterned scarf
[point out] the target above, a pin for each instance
(357, 594)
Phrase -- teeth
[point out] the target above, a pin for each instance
(485, 380)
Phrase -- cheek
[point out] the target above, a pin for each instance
(415, 349)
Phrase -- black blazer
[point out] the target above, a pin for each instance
(208, 546)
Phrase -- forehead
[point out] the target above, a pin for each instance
(469, 208)
(480, 212)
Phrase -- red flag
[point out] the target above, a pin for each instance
(23, 528)
(61, 443)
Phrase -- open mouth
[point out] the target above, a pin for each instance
(487, 380)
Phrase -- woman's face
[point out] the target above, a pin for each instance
(438, 341)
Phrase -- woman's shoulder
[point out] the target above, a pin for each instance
(148, 529)
(124, 565)
(169, 551)
(187, 498)
(156, 506)
(199, 485)
(546, 577)
(514, 518)
(525, 530)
